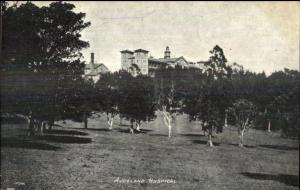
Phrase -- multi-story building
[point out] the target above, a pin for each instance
(135, 62)
(139, 62)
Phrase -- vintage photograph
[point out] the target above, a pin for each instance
(168, 95)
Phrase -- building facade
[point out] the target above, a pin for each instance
(138, 61)
(94, 70)
(135, 62)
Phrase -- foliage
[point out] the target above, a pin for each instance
(41, 58)
(243, 112)
(137, 101)
(216, 66)
(213, 94)
(107, 90)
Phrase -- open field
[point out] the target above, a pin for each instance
(71, 157)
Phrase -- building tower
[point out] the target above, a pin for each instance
(167, 53)
(141, 60)
(126, 59)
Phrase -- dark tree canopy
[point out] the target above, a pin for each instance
(137, 101)
(42, 65)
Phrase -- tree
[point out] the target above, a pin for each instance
(108, 94)
(207, 108)
(243, 112)
(167, 108)
(214, 94)
(138, 101)
(284, 114)
(80, 105)
(283, 109)
(168, 93)
(216, 66)
(41, 56)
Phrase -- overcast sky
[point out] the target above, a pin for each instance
(258, 35)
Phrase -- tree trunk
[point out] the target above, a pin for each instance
(85, 120)
(111, 124)
(110, 121)
(241, 136)
(225, 123)
(170, 129)
(51, 124)
(167, 120)
(31, 131)
(138, 124)
(44, 126)
(269, 125)
(209, 142)
(121, 120)
(39, 128)
(131, 127)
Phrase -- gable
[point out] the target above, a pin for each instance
(181, 60)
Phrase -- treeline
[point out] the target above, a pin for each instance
(42, 79)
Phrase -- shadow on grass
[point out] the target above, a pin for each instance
(21, 143)
(246, 146)
(95, 129)
(159, 135)
(64, 139)
(292, 180)
(13, 120)
(192, 135)
(146, 130)
(279, 147)
(65, 132)
(195, 135)
(125, 125)
(204, 142)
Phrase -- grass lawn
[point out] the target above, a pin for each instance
(71, 157)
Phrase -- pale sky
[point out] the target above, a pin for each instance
(258, 35)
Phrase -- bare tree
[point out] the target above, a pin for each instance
(243, 112)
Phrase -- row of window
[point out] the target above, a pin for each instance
(137, 61)
(141, 61)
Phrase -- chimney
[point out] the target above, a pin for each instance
(92, 66)
(167, 53)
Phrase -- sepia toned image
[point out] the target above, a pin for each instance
(166, 95)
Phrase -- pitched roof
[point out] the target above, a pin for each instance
(96, 65)
(94, 72)
(126, 51)
(202, 62)
(155, 60)
(169, 60)
(141, 50)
